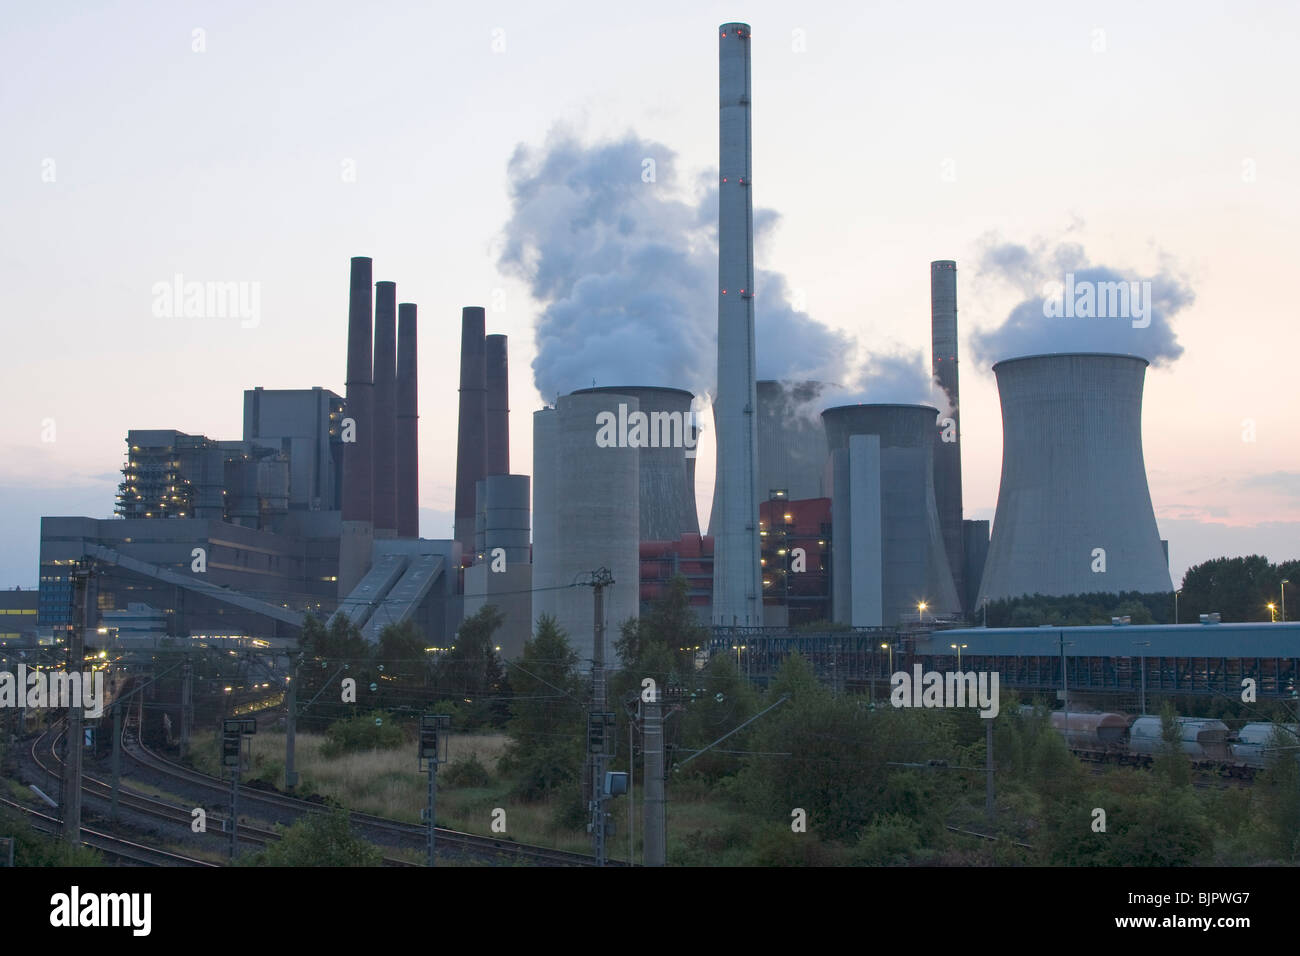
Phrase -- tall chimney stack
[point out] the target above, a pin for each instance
(408, 434)
(737, 578)
(947, 436)
(385, 454)
(498, 406)
(471, 448)
(358, 491)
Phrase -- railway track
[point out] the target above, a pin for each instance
(150, 806)
(411, 834)
(125, 850)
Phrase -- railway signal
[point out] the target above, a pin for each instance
(433, 751)
(233, 732)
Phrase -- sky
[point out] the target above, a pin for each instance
(266, 144)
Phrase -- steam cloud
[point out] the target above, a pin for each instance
(1027, 331)
(626, 270)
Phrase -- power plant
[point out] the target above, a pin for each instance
(1074, 513)
(851, 514)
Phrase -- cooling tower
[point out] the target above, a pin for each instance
(471, 448)
(497, 437)
(947, 437)
(667, 486)
(894, 479)
(594, 496)
(385, 427)
(791, 440)
(737, 584)
(1073, 499)
(357, 530)
(408, 434)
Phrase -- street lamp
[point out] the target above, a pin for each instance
(1285, 582)
(920, 611)
(957, 648)
(1272, 612)
(1176, 593)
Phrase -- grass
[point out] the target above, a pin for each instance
(701, 826)
(388, 783)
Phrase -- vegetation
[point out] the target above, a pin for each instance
(318, 839)
(32, 848)
(1238, 589)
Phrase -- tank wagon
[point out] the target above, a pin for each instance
(1208, 743)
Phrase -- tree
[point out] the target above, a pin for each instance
(318, 839)
(547, 715)
(470, 673)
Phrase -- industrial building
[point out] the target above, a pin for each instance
(314, 509)
(1074, 513)
(889, 563)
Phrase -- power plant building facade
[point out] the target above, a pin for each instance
(1074, 512)
(888, 556)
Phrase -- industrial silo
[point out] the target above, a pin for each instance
(1074, 512)
(594, 495)
(887, 549)
(791, 440)
(667, 451)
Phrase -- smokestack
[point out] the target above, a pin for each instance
(498, 407)
(408, 433)
(471, 448)
(354, 545)
(385, 454)
(947, 437)
(737, 583)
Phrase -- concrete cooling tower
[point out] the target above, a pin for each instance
(1074, 512)
(887, 551)
(791, 440)
(667, 482)
(587, 502)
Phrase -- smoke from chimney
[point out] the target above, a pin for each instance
(1042, 273)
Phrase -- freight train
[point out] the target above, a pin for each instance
(1211, 745)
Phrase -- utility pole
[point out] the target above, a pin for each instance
(988, 763)
(117, 755)
(76, 660)
(654, 848)
(187, 705)
(291, 731)
(598, 737)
